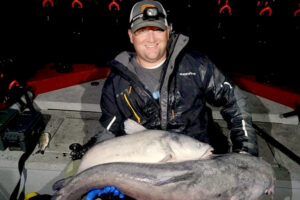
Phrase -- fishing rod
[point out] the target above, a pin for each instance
(276, 144)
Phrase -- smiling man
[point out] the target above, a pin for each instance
(163, 85)
(149, 36)
(150, 44)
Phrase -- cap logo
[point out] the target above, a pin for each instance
(143, 7)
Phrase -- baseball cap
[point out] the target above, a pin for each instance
(148, 13)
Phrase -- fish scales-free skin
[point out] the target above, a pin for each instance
(226, 177)
(147, 146)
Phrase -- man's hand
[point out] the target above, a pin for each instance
(242, 143)
(108, 189)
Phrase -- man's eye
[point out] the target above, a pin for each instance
(142, 30)
(148, 29)
(159, 30)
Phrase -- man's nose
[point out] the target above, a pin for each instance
(151, 36)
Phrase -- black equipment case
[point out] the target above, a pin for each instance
(22, 132)
(7, 116)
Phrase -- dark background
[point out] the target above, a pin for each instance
(244, 41)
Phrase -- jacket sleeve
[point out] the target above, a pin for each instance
(222, 92)
(111, 118)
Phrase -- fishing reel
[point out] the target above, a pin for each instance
(7, 81)
(78, 150)
(13, 92)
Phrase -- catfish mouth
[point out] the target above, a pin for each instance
(207, 152)
(270, 191)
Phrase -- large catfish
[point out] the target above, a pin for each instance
(145, 146)
(225, 177)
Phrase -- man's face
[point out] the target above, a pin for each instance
(150, 44)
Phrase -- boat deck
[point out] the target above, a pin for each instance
(72, 115)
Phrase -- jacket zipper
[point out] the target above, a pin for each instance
(172, 114)
(131, 107)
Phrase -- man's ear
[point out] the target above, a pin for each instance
(130, 35)
(170, 29)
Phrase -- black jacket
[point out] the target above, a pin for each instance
(189, 81)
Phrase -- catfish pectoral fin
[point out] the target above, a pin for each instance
(61, 183)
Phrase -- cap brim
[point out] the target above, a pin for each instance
(156, 23)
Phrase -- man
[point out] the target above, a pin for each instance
(163, 86)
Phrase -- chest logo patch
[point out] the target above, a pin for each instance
(187, 74)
